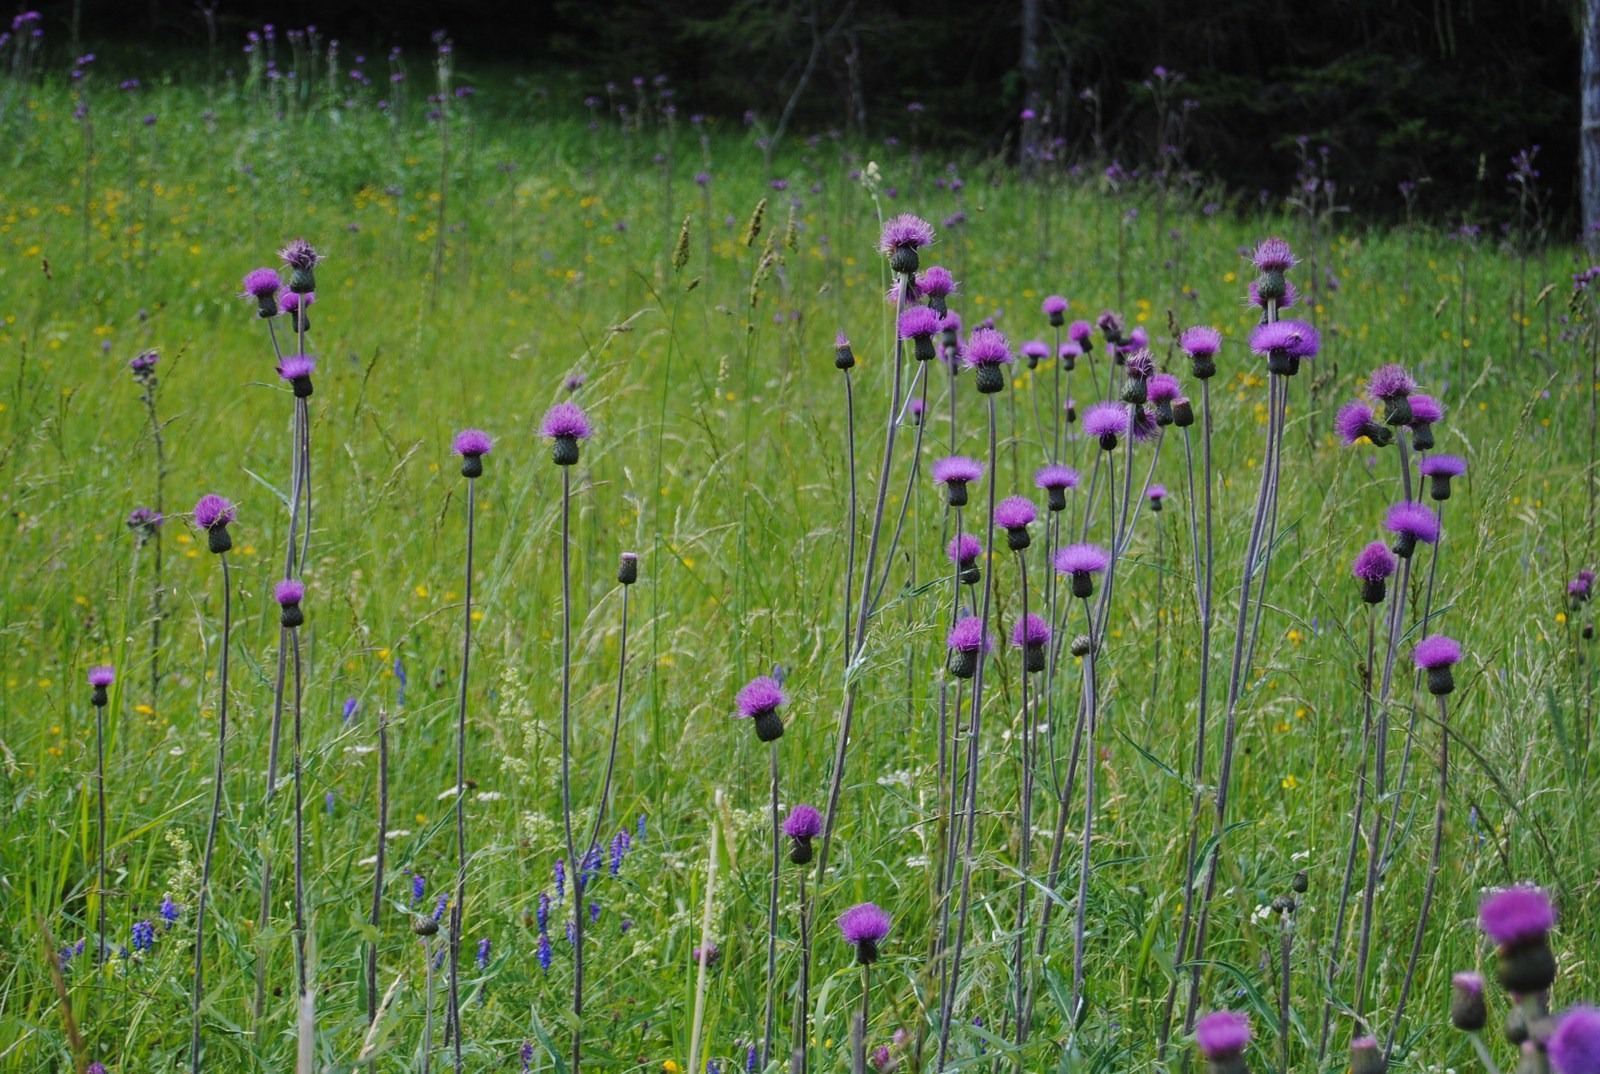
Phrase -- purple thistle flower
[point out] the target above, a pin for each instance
(102, 675)
(803, 822)
(1034, 630)
(300, 254)
(964, 550)
(1516, 915)
(1056, 480)
(1439, 470)
(1142, 424)
(1356, 422)
(472, 445)
(987, 347)
(566, 420)
(902, 237)
(1222, 1034)
(1425, 410)
(1081, 333)
(1035, 351)
(293, 303)
(1390, 382)
(289, 591)
(918, 324)
(1574, 1047)
(1106, 421)
(1581, 586)
(957, 468)
(1285, 344)
(1141, 364)
(1015, 512)
(144, 363)
(211, 511)
(1373, 564)
(1163, 389)
(1273, 255)
(710, 955)
(864, 926)
(1082, 559)
(916, 407)
(1054, 305)
(1411, 522)
(261, 284)
(937, 283)
(1200, 341)
(760, 695)
(967, 636)
(1436, 651)
(1155, 494)
(295, 367)
(574, 381)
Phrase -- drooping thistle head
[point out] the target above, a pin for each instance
(289, 593)
(966, 640)
(565, 424)
(100, 677)
(1015, 514)
(1222, 1037)
(1106, 422)
(1436, 655)
(1032, 636)
(1035, 351)
(1056, 480)
(902, 237)
(1285, 344)
(964, 550)
(213, 513)
(1468, 1011)
(802, 825)
(1082, 562)
(1425, 413)
(296, 306)
(918, 324)
(472, 445)
(1439, 469)
(988, 353)
(263, 285)
(864, 926)
(1201, 343)
(759, 700)
(1055, 307)
(1518, 920)
(302, 259)
(297, 370)
(1392, 386)
(1411, 522)
(1373, 566)
(1355, 422)
(1574, 1047)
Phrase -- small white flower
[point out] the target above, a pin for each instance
(446, 795)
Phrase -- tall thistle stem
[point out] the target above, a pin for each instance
(574, 862)
(377, 873)
(974, 736)
(218, 775)
(1025, 846)
(772, 919)
(461, 783)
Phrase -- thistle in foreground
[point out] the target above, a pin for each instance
(864, 926)
(100, 679)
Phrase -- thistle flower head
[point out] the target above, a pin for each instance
(1425, 410)
(1056, 477)
(1201, 341)
(803, 822)
(1142, 424)
(1516, 914)
(566, 420)
(102, 675)
(1156, 493)
(936, 282)
(1574, 1047)
(144, 363)
(261, 283)
(300, 255)
(759, 696)
(1106, 419)
(144, 521)
(964, 548)
(1273, 255)
(918, 322)
(1443, 466)
(289, 591)
(1374, 563)
(293, 303)
(1082, 559)
(1467, 981)
(471, 442)
(1033, 630)
(1221, 1034)
(1081, 333)
(1436, 651)
(1015, 512)
(1054, 305)
(967, 636)
(1356, 421)
(1035, 351)
(987, 347)
(1390, 382)
(1293, 339)
(1163, 389)
(864, 925)
(1411, 519)
(905, 232)
(213, 510)
(1141, 363)
(295, 366)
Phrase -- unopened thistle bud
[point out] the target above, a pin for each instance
(1182, 412)
(1366, 1057)
(843, 356)
(628, 569)
(424, 925)
(1468, 1012)
(1081, 645)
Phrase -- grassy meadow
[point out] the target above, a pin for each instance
(473, 265)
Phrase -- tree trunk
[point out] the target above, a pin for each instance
(1589, 136)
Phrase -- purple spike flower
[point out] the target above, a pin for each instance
(1222, 1034)
(1574, 1047)
(543, 953)
(759, 700)
(864, 926)
(1356, 421)
(1106, 421)
(1082, 562)
(1411, 522)
(484, 949)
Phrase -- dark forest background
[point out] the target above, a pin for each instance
(1439, 91)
